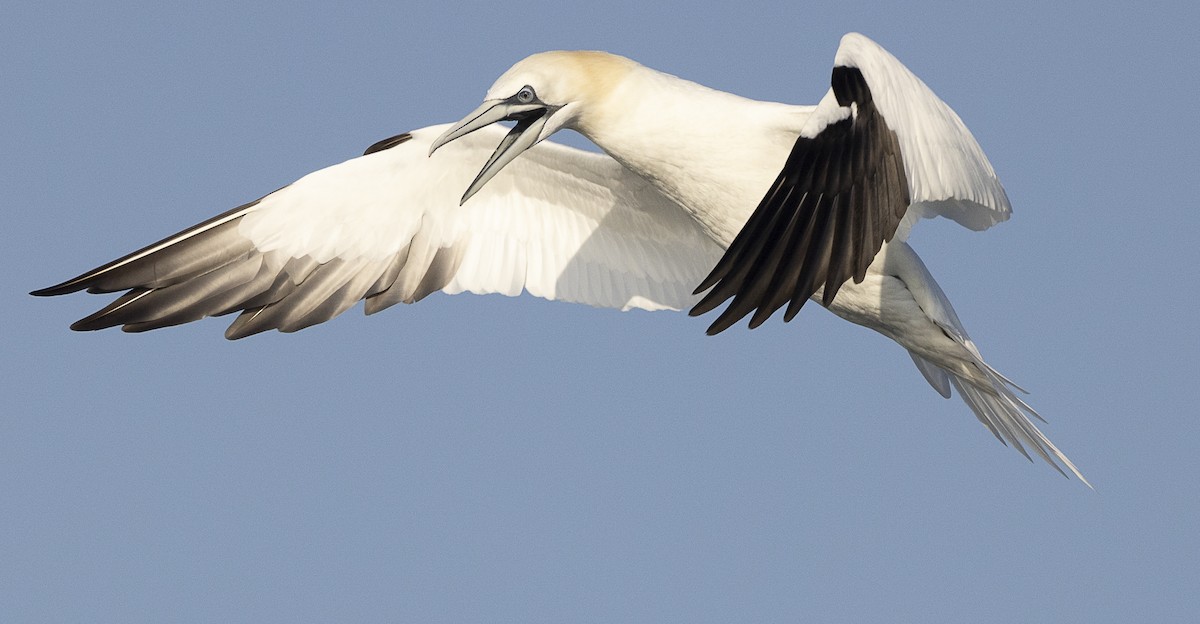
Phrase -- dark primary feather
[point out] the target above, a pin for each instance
(840, 195)
(192, 251)
(387, 143)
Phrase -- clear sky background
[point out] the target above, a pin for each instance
(516, 460)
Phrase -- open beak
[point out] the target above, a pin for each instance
(530, 118)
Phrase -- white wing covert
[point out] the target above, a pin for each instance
(948, 173)
(560, 223)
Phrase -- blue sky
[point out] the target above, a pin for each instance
(496, 459)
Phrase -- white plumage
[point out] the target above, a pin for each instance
(773, 203)
(566, 224)
(947, 171)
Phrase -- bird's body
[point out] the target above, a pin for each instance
(786, 202)
(712, 153)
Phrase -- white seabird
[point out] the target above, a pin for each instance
(698, 191)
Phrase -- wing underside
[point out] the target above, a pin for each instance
(559, 223)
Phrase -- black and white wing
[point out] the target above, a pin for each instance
(387, 227)
(879, 151)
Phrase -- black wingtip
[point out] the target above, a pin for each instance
(64, 288)
(829, 294)
(82, 326)
(794, 307)
(704, 306)
(92, 322)
(387, 143)
(714, 276)
(727, 319)
(760, 317)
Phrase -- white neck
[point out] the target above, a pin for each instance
(712, 152)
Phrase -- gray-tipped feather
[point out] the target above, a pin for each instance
(212, 269)
(193, 251)
(421, 271)
(182, 302)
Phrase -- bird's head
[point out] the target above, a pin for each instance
(543, 94)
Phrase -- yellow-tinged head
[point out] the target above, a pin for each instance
(543, 93)
(563, 78)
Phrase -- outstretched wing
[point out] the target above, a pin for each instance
(559, 223)
(879, 151)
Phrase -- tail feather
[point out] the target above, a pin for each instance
(938, 378)
(988, 393)
(1007, 416)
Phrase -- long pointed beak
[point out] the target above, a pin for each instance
(530, 118)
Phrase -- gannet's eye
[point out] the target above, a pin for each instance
(525, 95)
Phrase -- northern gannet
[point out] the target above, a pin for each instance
(700, 197)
